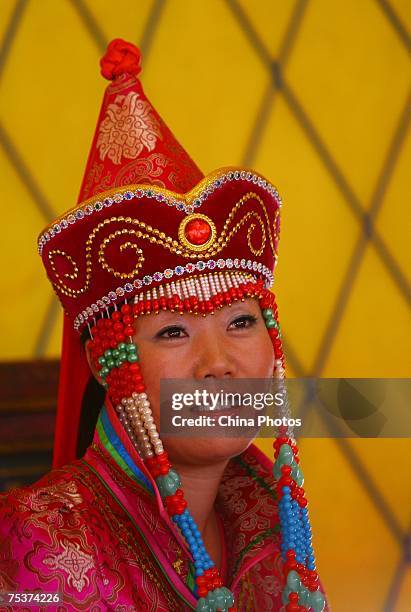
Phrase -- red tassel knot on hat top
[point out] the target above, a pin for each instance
(120, 58)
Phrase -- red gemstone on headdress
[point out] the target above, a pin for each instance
(197, 231)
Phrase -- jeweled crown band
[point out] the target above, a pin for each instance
(158, 194)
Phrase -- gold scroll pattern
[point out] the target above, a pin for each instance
(140, 230)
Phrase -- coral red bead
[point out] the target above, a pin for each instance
(197, 231)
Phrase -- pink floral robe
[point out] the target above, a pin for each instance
(96, 532)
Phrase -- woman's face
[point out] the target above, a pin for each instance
(231, 343)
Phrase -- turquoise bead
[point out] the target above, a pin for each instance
(293, 581)
(317, 601)
(211, 599)
(285, 594)
(202, 605)
(268, 313)
(166, 485)
(229, 597)
(175, 476)
(303, 596)
(286, 455)
(297, 474)
(220, 598)
(270, 323)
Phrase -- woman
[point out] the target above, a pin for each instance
(136, 524)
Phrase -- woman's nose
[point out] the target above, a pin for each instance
(212, 358)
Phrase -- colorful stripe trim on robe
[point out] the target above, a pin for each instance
(113, 445)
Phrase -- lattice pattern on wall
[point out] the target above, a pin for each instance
(316, 96)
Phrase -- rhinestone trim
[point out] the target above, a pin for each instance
(158, 195)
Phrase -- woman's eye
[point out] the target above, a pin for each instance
(171, 332)
(244, 322)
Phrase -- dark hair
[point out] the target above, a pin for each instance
(92, 402)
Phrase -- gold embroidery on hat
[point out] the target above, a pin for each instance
(125, 245)
(61, 286)
(157, 236)
(128, 127)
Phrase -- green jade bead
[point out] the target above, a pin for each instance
(131, 348)
(220, 599)
(104, 372)
(285, 594)
(293, 581)
(297, 474)
(202, 605)
(102, 361)
(303, 596)
(169, 483)
(110, 363)
(122, 347)
(175, 476)
(285, 457)
(210, 599)
(115, 353)
(107, 354)
(268, 313)
(132, 358)
(216, 600)
(270, 323)
(229, 597)
(316, 600)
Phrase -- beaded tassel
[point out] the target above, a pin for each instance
(116, 356)
(301, 591)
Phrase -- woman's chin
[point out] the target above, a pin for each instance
(205, 451)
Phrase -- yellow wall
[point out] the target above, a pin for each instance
(334, 138)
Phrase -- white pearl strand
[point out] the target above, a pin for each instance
(136, 416)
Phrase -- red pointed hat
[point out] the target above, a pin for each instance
(147, 219)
